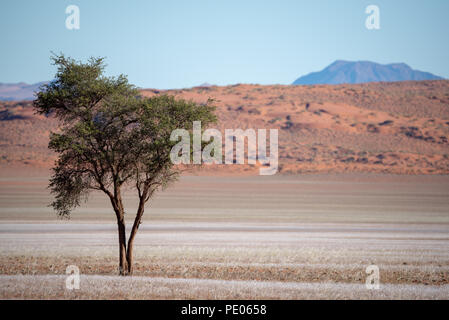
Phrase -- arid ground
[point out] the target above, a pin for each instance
(400, 128)
(279, 237)
(363, 180)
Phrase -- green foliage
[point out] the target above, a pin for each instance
(110, 136)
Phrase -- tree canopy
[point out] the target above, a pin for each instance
(110, 136)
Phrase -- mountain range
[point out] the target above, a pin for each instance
(352, 72)
(339, 72)
(18, 91)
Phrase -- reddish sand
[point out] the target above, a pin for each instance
(398, 128)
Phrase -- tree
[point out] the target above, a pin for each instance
(111, 137)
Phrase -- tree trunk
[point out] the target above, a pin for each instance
(117, 204)
(136, 224)
(126, 253)
(129, 252)
(129, 256)
(123, 264)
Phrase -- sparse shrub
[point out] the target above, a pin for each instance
(386, 123)
(372, 128)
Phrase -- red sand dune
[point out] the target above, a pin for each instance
(400, 127)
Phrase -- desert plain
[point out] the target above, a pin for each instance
(286, 237)
(363, 180)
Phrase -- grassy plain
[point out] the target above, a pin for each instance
(280, 237)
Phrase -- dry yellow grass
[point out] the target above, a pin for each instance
(216, 237)
(114, 287)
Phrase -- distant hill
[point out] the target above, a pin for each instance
(382, 127)
(353, 72)
(18, 91)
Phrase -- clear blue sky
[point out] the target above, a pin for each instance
(176, 44)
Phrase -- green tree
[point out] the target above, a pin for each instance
(111, 137)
